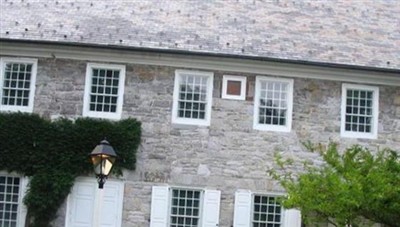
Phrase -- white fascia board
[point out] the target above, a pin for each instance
(200, 62)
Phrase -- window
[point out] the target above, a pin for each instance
(359, 111)
(273, 104)
(12, 212)
(234, 87)
(185, 208)
(266, 211)
(192, 97)
(182, 207)
(263, 210)
(104, 91)
(17, 82)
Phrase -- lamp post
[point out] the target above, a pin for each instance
(103, 157)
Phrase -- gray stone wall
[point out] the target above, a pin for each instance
(228, 155)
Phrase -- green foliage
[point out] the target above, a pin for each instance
(348, 189)
(53, 154)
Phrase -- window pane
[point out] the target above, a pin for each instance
(266, 211)
(273, 103)
(185, 208)
(9, 195)
(104, 90)
(192, 92)
(358, 116)
(16, 84)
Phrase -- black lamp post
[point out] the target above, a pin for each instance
(103, 157)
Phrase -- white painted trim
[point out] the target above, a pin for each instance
(188, 121)
(291, 217)
(23, 187)
(242, 208)
(29, 108)
(201, 204)
(22, 209)
(170, 189)
(92, 180)
(241, 79)
(88, 83)
(375, 112)
(250, 210)
(201, 62)
(265, 127)
(211, 208)
(160, 208)
(269, 194)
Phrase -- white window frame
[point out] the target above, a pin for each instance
(88, 84)
(275, 195)
(241, 79)
(289, 99)
(375, 112)
(22, 209)
(189, 121)
(201, 198)
(161, 199)
(29, 108)
(244, 205)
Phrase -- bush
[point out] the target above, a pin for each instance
(348, 189)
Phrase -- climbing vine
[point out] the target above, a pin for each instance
(54, 153)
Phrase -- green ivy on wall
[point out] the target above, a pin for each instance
(54, 153)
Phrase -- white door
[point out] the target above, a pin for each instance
(87, 203)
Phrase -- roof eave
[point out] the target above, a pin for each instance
(204, 54)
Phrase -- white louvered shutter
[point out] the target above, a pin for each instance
(21, 205)
(111, 204)
(242, 212)
(211, 208)
(159, 206)
(292, 218)
(87, 203)
(81, 204)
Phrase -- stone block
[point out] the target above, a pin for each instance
(396, 100)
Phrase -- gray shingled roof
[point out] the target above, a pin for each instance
(357, 32)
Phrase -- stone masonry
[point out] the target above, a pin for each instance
(228, 155)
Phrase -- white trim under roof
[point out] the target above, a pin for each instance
(281, 69)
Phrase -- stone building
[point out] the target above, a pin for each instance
(219, 87)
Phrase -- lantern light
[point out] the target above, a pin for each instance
(103, 158)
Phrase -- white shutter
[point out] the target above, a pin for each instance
(89, 206)
(242, 212)
(159, 206)
(111, 204)
(22, 210)
(211, 208)
(81, 204)
(292, 218)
